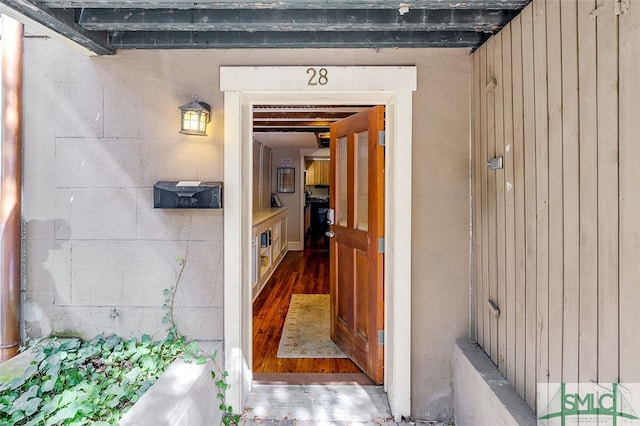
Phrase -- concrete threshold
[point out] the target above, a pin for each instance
(322, 402)
(330, 403)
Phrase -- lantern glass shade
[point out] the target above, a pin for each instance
(194, 117)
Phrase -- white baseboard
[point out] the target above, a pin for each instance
(295, 246)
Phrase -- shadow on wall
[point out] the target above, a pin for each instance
(40, 292)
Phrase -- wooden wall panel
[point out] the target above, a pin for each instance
(607, 104)
(571, 192)
(587, 66)
(528, 93)
(542, 192)
(629, 194)
(500, 295)
(556, 232)
(491, 201)
(519, 205)
(556, 202)
(476, 167)
(509, 304)
(485, 339)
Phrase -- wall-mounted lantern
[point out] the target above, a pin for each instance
(194, 117)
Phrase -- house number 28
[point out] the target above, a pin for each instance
(317, 76)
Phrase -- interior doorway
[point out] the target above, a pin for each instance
(291, 341)
(311, 293)
(389, 86)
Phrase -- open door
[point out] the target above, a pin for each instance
(357, 227)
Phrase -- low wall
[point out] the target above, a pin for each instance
(482, 396)
(15, 367)
(184, 395)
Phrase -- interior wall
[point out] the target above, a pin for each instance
(262, 176)
(293, 200)
(102, 130)
(556, 231)
(256, 151)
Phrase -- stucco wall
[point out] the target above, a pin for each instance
(440, 227)
(100, 131)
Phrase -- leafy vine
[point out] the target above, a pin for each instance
(71, 382)
(193, 352)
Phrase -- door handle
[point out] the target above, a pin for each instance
(331, 217)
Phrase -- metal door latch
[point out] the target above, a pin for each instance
(495, 163)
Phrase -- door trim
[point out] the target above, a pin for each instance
(390, 86)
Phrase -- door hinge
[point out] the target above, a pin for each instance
(381, 138)
(381, 245)
(380, 337)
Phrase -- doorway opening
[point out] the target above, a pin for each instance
(295, 298)
(389, 86)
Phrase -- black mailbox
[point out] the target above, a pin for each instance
(187, 195)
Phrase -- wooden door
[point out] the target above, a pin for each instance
(357, 197)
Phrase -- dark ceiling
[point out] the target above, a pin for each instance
(103, 26)
(297, 118)
(314, 119)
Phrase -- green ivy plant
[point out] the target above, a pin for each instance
(71, 382)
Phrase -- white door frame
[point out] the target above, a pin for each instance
(244, 87)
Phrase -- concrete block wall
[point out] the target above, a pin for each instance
(99, 256)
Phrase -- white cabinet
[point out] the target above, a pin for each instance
(269, 245)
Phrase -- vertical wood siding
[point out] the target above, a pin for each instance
(629, 195)
(557, 230)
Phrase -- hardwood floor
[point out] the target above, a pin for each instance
(299, 272)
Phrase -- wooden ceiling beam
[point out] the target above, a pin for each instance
(59, 22)
(289, 4)
(289, 109)
(101, 26)
(301, 116)
(293, 40)
(293, 123)
(259, 129)
(293, 20)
